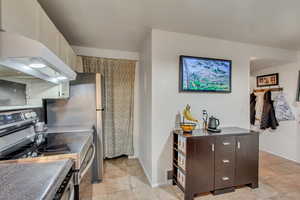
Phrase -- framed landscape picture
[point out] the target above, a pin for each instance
(267, 80)
(198, 74)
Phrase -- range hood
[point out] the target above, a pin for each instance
(33, 58)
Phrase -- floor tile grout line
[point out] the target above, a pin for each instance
(264, 177)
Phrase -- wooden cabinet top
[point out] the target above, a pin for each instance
(225, 131)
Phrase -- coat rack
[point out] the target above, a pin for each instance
(269, 89)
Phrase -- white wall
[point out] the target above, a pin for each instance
(108, 53)
(232, 109)
(159, 99)
(285, 140)
(145, 139)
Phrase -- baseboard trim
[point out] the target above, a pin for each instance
(276, 154)
(169, 182)
(154, 185)
(144, 169)
(132, 157)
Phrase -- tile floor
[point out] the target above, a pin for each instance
(124, 179)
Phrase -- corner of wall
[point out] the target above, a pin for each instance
(145, 96)
(149, 177)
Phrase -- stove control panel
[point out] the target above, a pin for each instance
(10, 118)
(29, 115)
(17, 116)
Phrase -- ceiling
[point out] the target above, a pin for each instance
(123, 24)
(262, 63)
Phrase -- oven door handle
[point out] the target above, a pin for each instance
(69, 193)
(89, 164)
(72, 193)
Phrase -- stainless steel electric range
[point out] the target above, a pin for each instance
(19, 142)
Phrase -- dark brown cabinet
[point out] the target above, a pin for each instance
(246, 170)
(224, 161)
(206, 162)
(200, 158)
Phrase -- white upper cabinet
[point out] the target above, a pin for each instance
(19, 16)
(72, 59)
(66, 53)
(27, 18)
(48, 34)
(63, 49)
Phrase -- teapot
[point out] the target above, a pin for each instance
(213, 123)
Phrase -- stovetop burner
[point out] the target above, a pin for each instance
(32, 151)
(22, 152)
(21, 140)
(51, 149)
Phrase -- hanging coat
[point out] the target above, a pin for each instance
(259, 106)
(268, 118)
(283, 111)
(252, 108)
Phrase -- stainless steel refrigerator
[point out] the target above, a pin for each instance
(82, 111)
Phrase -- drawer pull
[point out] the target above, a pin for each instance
(225, 178)
(238, 145)
(213, 147)
(225, 161)
(226, 143)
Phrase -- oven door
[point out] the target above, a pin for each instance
(84, 188)
(69, 192)
(66, 191)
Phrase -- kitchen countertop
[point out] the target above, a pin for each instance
(65, 129)
(77, 142)
(224, 131)
(32, 181)
(8, 108)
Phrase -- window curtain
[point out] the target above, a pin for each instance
(118, 102)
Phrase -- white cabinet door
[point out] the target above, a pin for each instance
(72, 60)
(20, 16)
(48, 33)
(64, 90)
(63, 49)
(38, 90)
(66, 53)
(79, 64)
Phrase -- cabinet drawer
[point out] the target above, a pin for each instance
(225, 144)
(224, 178)
(225, 161)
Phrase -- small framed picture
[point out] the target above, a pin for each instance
(298, 88)
(267, 80)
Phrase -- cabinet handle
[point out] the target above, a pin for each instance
(225, 161)
(226, 143)
(238, 145)
(225, 178)
(212, 147)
